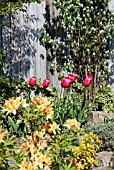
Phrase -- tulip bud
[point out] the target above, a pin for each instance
(88, 80)
(32, 81)
(65, 82)
(46, 83)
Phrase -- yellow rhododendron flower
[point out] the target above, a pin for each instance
(72, 122)
(41, 133)
(39, 160)
(48, 162)
(2, 135)
(12, 105)
(53, 128)
(23, 165)
(44, 105)
(41, 145)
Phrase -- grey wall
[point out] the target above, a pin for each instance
(111, 46)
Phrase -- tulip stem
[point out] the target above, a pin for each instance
(29, 93)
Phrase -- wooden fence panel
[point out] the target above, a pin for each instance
(52, 76)
(111, 46)
(28, 56)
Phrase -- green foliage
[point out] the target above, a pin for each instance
(7, 6)
(70, 104)
(7, 145)
(66, 148)
(8, 88)
(105, 132)
(40, 141)
(104, 100)
(82, 31)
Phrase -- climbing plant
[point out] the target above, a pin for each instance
(78, 38)
(6, 6)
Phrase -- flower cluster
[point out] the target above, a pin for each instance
(40, 147)
(35, 146)
(72, 123)
(12, 105)
(44, 106)
(67, 81)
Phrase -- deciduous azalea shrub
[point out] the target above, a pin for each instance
(56, 147)
(7, 149)
(42, 141)
(21, 118)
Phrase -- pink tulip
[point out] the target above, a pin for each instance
(32, 81)
(46, 82)
(71, 78)
(74, 75)
(65, 82)
(88, 80)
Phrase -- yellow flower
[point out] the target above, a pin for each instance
(48, 110)
(45, 101)
(41, 145)
(39, 159)
(41, 107)
(69, 123)
(12, 105)
(48, 161)
(72, 122)
(76, 124)
(37, 101)
(30, 166)
(23, 165)
(53, 127)
(2, 134)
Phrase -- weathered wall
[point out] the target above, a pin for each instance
(27, 57)
(111, 46)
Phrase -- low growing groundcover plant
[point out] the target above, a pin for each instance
(105, 132)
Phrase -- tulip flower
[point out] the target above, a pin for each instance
(74, 75)
(32, 81)
(88, 80)
(46, 83)
(71, 78)
(65, 82)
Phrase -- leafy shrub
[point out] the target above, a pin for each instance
(84, 29)
(8, 88)
(7, 146)
(54, 148)
(104, 100)
(105, 132)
